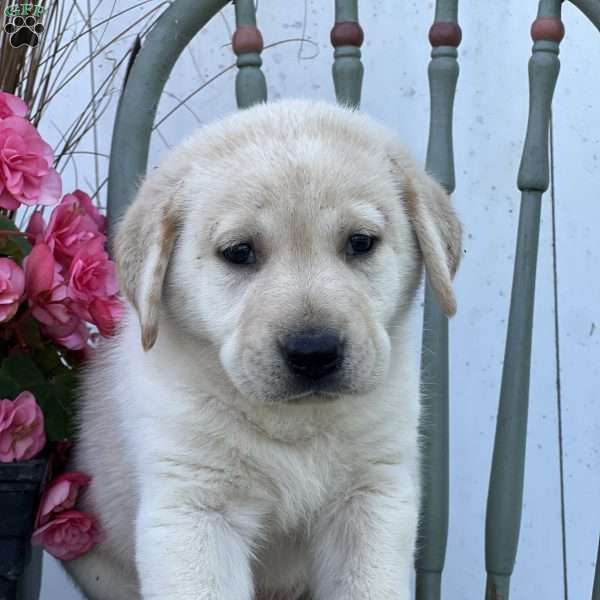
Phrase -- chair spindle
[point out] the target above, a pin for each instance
(347, 38)
(505, 495)
(250, 84)
(445, 36)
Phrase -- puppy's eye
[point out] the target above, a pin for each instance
(240, 254)
(360, 243)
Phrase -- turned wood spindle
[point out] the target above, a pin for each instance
(505, 494)
(247, 42)
(445, 36)
(347, 38)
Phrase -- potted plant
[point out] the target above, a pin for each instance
(20, 485)
(58, 292)
(57, 285)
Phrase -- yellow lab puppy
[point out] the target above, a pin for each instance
(251, 432)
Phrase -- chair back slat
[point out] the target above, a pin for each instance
(591, 9)
(250, 83)
(347, 38)
(139, 99)
(444, 36)
(505, 494)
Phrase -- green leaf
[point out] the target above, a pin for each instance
(15, 246)
(56, 418)
(9, 388)
(54, 392)
(48, 360)
(30, 330)
(22, 369)
(5, 345)
(65, 385)
(9, 248)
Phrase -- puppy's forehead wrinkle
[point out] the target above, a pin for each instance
(265, 167)
(300, 199)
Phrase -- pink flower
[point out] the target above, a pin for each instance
(48, 299)
(11, 106)
(26, 173)
(73, 223)
(91, 275)
(70, 534)
(46, 287)
(60, 494)
(21, 428)
(73, 339)
(90, 209)
(36, 226)
(12, 286)
(106, 313)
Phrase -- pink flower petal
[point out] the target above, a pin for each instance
(50, 189)
(11, 105)
(39, 270)
(61, 494)
(12, 287)
(70, 534)
(22, 433)
(26, 174)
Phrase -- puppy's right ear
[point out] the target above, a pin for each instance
(436, 226)
(143, 246)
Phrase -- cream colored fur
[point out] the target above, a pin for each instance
(213, 477)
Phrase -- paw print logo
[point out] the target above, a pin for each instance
(24, 31)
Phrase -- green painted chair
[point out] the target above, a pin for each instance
(129, 156)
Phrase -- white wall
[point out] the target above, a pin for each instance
(491, 112)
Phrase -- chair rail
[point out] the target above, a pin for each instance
(591, 9)
(138, 103)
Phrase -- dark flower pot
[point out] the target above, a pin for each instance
(20, 489)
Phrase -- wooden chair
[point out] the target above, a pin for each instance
(129, 155)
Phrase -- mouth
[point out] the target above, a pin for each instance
(313, 397)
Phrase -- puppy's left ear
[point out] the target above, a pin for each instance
(436, 226)
(143, 246)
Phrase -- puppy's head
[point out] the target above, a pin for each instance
(290, 238)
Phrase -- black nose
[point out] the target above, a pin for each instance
(312, 354)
